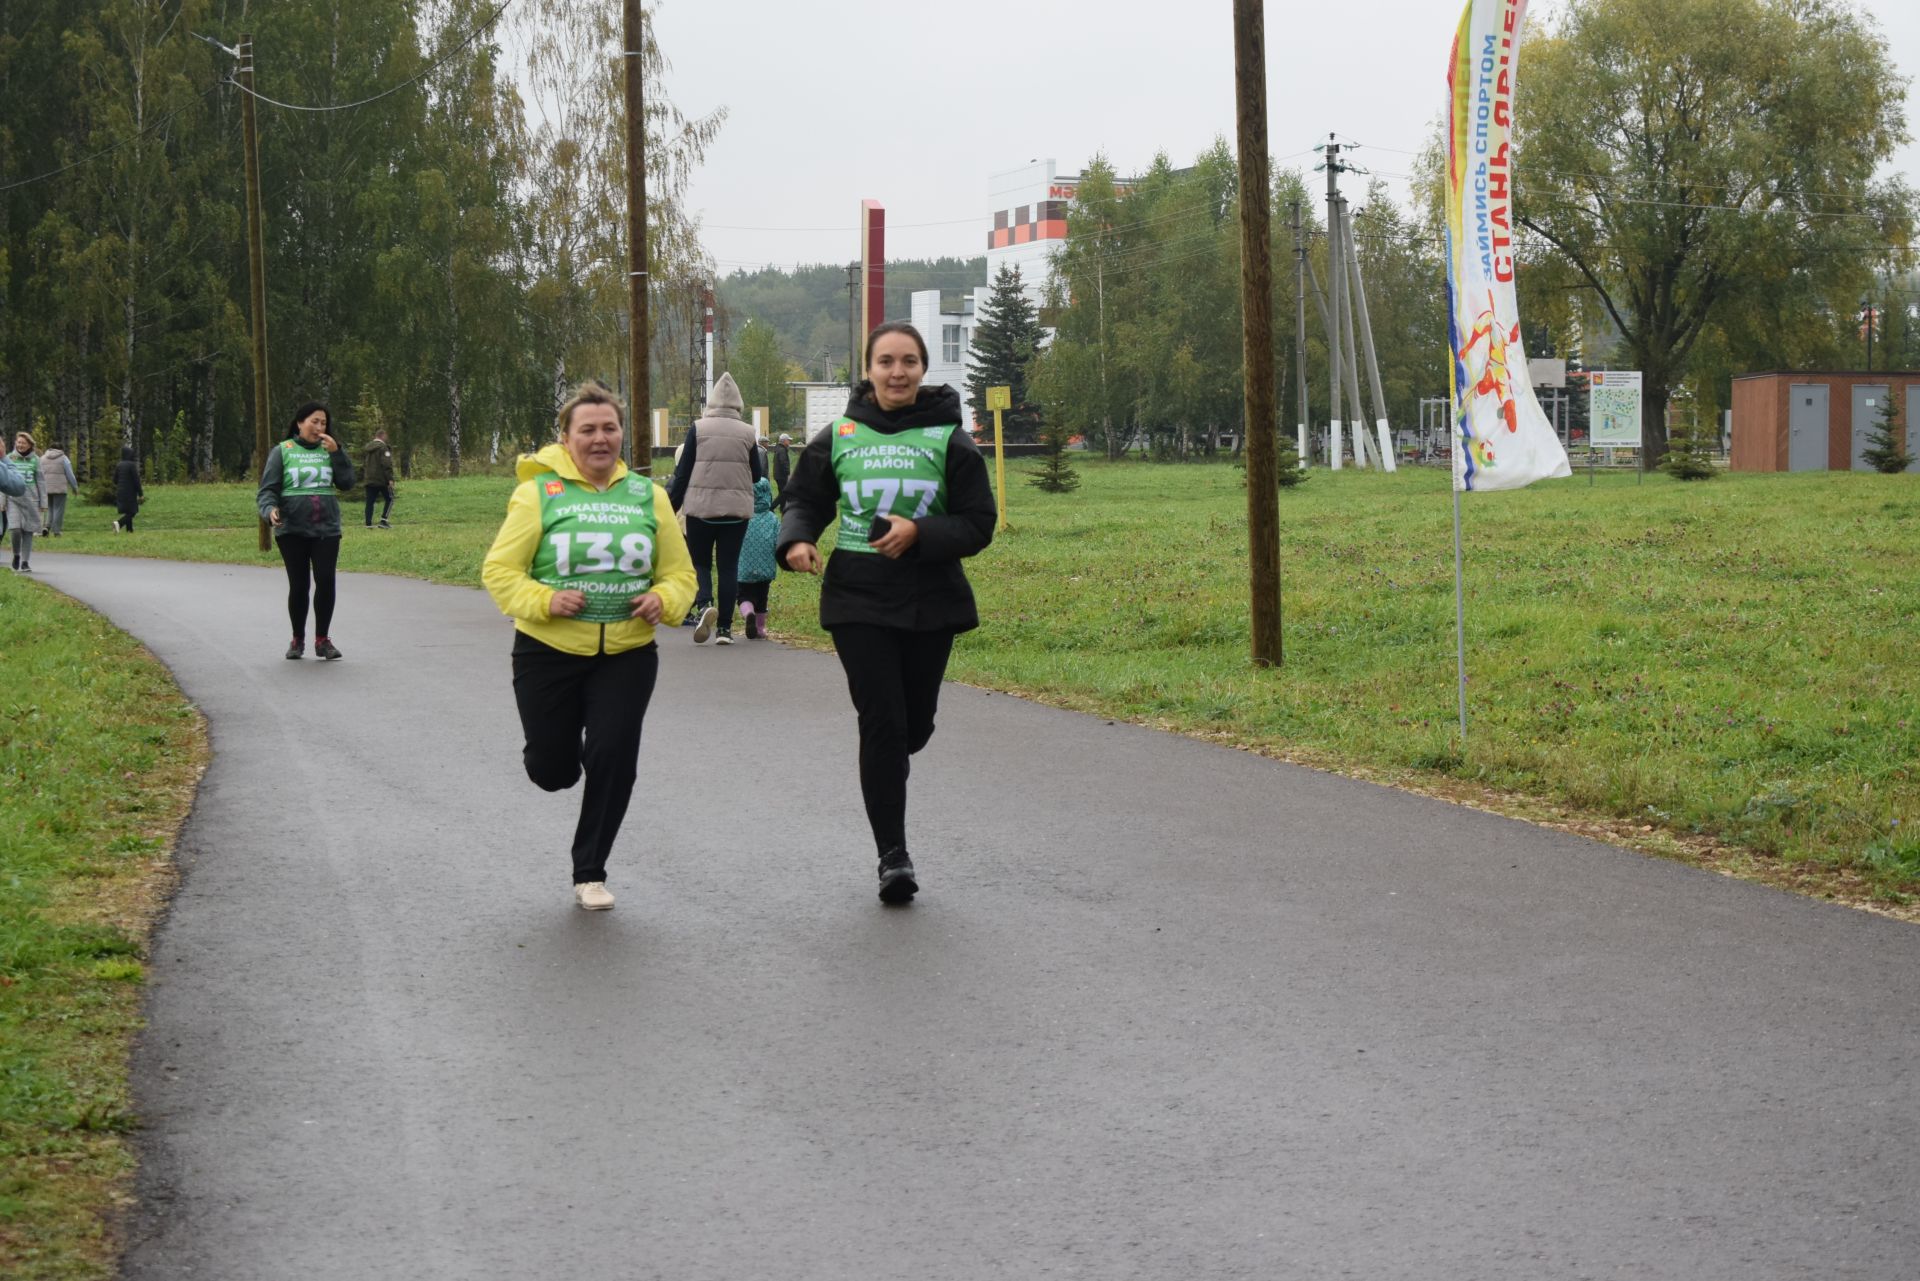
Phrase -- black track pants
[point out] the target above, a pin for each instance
(312, 559)
(582, 714)
(707, 539)
(894, 677)
(379, 492)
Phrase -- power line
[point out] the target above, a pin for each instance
(106, 151)
(430, 68)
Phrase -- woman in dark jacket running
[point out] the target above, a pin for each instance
(297, 496)
(908, 490)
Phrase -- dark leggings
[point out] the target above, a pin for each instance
(314, 558)
(705, 539)
(582, 714)
(756, 593)
(894, 677)
(126, 518)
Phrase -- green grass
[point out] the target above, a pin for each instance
(1737, 659)
(97, 759)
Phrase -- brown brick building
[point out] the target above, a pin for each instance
(1818, 420)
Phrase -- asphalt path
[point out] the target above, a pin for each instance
(1163, 1009)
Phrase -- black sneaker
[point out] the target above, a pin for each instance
(722, 637)
(323, 648)
(298, 649)
(897, 885)
(385, 525)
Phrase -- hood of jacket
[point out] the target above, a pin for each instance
(725, 400)
(555, 458)
(54, 454)
(762, 496)
(934, 407)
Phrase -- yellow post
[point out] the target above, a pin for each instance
(998, 399)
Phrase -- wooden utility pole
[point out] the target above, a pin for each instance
(1256, 298)
(640, 400)
(256, 270)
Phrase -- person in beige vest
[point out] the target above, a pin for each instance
(712, 487)
(56, 469)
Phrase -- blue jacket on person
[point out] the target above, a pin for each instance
(12, 483)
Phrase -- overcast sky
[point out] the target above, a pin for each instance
(914, 104)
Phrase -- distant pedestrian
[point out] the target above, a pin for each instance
(298, 496)
(712, 487)
(377, 474)
(782, 465)
(128, 492)
(907, 489)
(56, 470)
(24, 512)
(587, 563)
(757, 564)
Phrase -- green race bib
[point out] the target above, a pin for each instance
(304, 471)
(28, 467)
(600, 544)
(900, 475)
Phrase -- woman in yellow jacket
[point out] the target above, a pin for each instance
(589, 560)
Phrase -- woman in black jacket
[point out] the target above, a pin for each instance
(907, 488)
(128, 492)
(298, 496)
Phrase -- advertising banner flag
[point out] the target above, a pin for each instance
(1502, 440)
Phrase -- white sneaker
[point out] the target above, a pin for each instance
(593, 896)
(704, 631)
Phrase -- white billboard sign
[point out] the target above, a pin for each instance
(1613, 410)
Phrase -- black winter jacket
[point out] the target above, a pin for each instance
(925, 590)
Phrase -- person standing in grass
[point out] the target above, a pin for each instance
(23, 513)
(757, 565)
(587, 563)
(56, 470)
(377, 476)
(712, 487)
(298, 496)
(128, 492)
(907, 488)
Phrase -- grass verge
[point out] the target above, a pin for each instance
(1726, 672)
(99, 755)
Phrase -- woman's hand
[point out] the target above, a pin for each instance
(566, 604)
(900, 535)
(273, 517)
(803, 558)
(648, 607)
(329, 444)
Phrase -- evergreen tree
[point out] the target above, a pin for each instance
(1687, 454)
(1290, 473)
(1056, 474)
(1004, 341)
(1887, 448)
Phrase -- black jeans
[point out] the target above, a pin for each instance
(379, 491)
(582, 714)
(307, 558)
(705, 540)
(894, 677)
(126, 517)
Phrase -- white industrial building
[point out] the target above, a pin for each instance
(1029, 221)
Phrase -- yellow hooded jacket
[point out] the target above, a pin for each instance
(526, 600)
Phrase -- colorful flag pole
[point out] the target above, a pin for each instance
(1501, 437)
